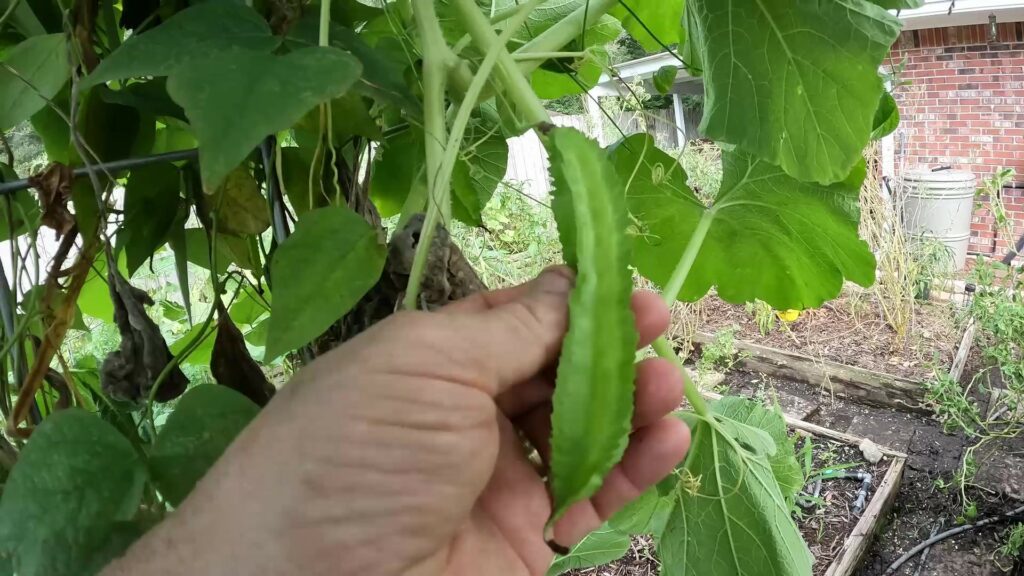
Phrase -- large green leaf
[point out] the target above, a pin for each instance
(43, 62)
(478, 172)
(767, 237)
(653, 23)
(313, 286)
(730, 518)
(601, 546)
(204, 422)
(593, 401)
(193, 34)
(76, 478)
(234, 99)
(94, 299)
(150, 210)
(794, 82)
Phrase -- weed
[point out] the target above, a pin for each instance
(1013, 543)
(952, 404)
(764, 316)
(931, 261)
(719, 355)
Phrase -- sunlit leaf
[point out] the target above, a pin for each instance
(645, 515)
(204, 422)
(593, 402)
(653, 23)
(74, 481)
(314, 287)
(236, 98)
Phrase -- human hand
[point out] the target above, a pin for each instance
(400, 452)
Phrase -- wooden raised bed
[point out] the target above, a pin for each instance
(859, 384)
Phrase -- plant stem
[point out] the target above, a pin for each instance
(682, 270)
(665, 350)
(439, 187)
(546, 55)
(564, 31)
(435, 54)
(516, 84)
(325, 22)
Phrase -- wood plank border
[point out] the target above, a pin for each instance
(861, 384)
(856, 546)
(956, 369)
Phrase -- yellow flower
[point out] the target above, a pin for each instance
(788, 315)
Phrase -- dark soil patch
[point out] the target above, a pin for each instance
(850, 330)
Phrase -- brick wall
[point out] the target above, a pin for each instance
(965, 107)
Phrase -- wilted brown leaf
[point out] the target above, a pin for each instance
(232, 366)
(54, 186)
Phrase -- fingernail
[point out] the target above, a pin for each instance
(555, 280)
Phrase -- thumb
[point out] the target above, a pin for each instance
(516, 333)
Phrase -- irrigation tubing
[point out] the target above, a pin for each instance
(117, 165)
(1004, 517)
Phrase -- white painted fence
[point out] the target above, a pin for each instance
(528, 162)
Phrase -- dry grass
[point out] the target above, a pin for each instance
(881, 227)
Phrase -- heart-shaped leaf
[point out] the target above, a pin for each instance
(234, 99)
(768, 236)
(193, 34)
(315, 287)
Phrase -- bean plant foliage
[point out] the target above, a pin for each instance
(304, 164)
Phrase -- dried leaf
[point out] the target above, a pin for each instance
(130, 372)
(232, 366)
(54, 186)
